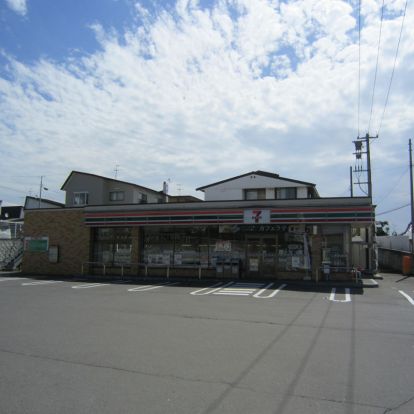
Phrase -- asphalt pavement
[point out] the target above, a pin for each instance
(87, 346)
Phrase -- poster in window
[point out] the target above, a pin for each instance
(223, 246)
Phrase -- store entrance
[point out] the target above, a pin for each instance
(261, 256)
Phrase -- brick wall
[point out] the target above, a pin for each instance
(65, 229)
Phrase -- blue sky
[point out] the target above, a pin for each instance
(199, 91)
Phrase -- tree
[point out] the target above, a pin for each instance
(382, 228)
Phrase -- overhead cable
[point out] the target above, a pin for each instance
(393, 69)
(394, 209)
(405, 231)
(394, 186)
(359, 63)
(376, 67)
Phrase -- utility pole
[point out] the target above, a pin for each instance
(370, 230)
(40, 190)
(412, 196)
(350, 180)
(358, 153)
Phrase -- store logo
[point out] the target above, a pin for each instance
(257, 216)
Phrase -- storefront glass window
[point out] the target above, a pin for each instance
(333, 246)
(112, 245)
(190, 245)
(158, 245)
(291, 252)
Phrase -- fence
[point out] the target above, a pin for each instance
(11, 252)
(400, 243)
(392, 260)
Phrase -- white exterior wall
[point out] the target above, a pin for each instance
(233, 190)
(302, 192)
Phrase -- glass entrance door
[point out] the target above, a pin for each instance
(268, 265)
(261, 256)
(253, 257)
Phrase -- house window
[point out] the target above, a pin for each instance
(286, 193)
(116, 195)
(255, 194)
(144, 199)
(81, 198)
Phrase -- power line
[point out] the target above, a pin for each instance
(394, 209)
(394, 186)
(359, 63)
(405, 231)
(12, 189)
(393, 69)
(376, 66)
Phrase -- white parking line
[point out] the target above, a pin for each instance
(90, 285)
(145, 288)
(409, 298)
(238, 289)
(11, 278)
(208, 290)
(42, 282)
(259, 293)
(347, 296)
(234, 292)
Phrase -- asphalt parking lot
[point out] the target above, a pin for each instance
(70, 346)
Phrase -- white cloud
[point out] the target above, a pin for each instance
(198, 95)
(19, 6)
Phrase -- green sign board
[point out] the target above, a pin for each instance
(37, 244)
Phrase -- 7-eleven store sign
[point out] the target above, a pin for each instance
(256, 216)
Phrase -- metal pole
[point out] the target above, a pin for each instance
(40, 191)
(350, 178)
(368, 166)
(412, 196)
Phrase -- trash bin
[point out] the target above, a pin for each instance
(406, 265)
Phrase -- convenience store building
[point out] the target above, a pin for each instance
(254, 226)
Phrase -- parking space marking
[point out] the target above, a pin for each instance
(234, 292)
(409, 298)
(274, 293)
(42, 282)
(347, 296)
(90, 285)
(208, 290)
(255, 289)
(6, 279)
(238, 289)
(145, 288)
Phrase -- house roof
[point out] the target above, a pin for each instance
(107, 179)
(44, 200)
(258, 172)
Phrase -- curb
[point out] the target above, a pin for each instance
(370, 283)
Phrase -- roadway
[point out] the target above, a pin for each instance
(79, 346)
